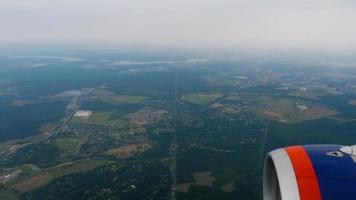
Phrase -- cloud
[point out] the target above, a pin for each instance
(157, 62)
(61, 58)
(38, 65)
(72, 59)
(128, 63)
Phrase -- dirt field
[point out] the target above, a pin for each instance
(217, 105)
(203, 178)
(61, 170)
(21, 102)
(129, 150)
(223, 108)
(183, 187)
(33, 182)
(352, 102)
(229, 110)
(291, 111)
(48, 128)
(229, 187)
(298, 116)
(272, 115)
(319, 112)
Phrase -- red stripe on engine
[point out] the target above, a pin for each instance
(304, 171)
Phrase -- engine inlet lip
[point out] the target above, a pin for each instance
(279, 180)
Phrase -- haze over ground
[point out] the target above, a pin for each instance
(216, 24)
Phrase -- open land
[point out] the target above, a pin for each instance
(196, 131)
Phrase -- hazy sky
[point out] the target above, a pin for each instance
(280, 24)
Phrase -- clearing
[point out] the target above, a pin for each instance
(7, 194)
(85, 114)
(129, 150)
(122, 99)
(352, 102)
(229, 187)
(202, 99)
(48, 175)
(99, 118)
(48, 127)
(314, 95)
(203, 178)
(145, 116)
(290, 110)
(66, 144)
(319, 112)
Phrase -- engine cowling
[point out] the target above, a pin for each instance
(310, 172)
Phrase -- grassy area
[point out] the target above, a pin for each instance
(7, 194)
(129, 150)
(123, 99)
(225, 109)
(201, 99)
(30, 169)
(48, 175)
(283, 110)
(203, 178)
(233, 97)
(66, 144)
(80, 166)
(352, 102)
(27, 171)
(287, 110)
(222, 81)
(100, 118)
(314, 95)
(48, 127)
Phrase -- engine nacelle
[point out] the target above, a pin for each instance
(310, 172)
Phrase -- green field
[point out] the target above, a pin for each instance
(83, 165)
(123, 99)
(66, 144)
(283, 110)
(131, 138)
(44, 177)
(100, 118)
(287, 110)
(221, 81)
(314, 95)
(7, 194)
(201, 98)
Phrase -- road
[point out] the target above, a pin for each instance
(174, 144)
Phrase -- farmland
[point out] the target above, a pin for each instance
(48, 175)
(201, 99)
(184, 131)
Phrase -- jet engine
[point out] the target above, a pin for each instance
(310, 172)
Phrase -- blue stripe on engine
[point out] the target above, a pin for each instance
(336, 175)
